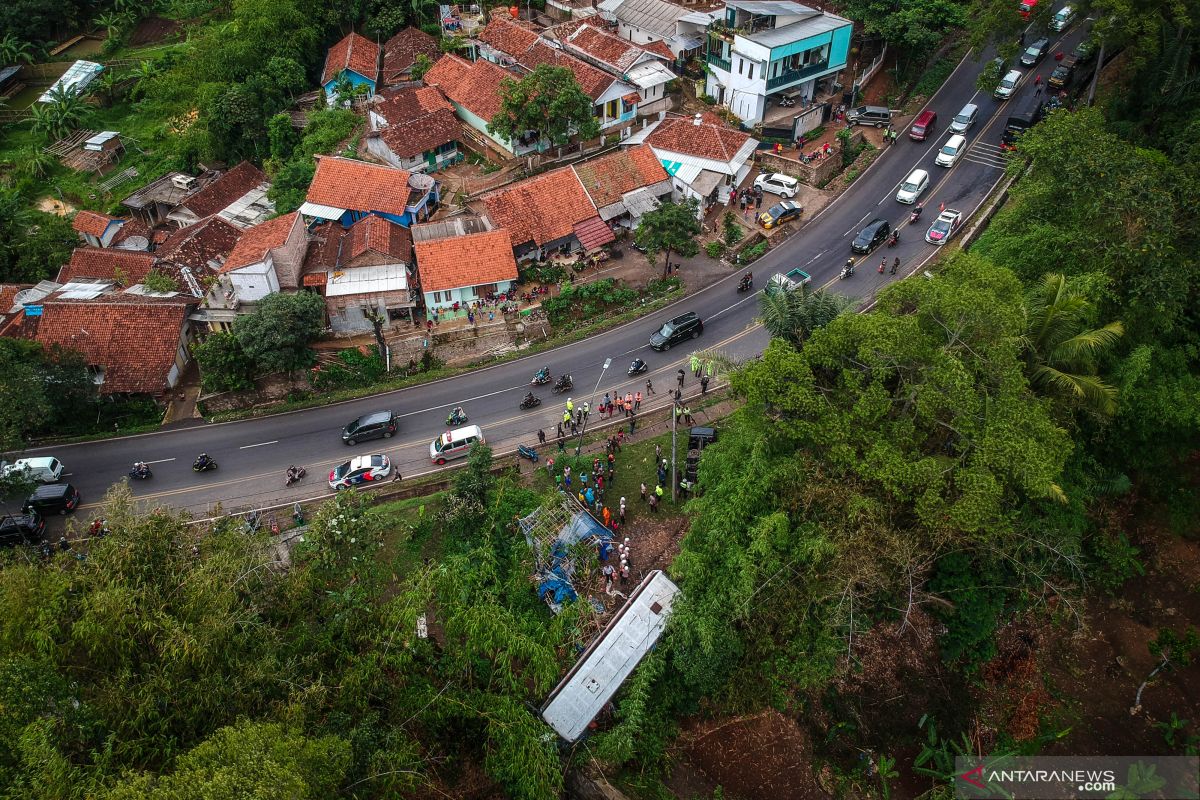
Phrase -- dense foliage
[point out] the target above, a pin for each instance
(33, 244)
(547, 101)
(274, 338)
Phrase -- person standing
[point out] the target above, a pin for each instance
(621, 511)
(657, 452)
(629, 404)
(541, 436)
(896, 265)
(607, 570)
(607, 516)
(680, 378)
(649, 387)
(704, 384)
(694, 362)
(687, 415)
(643, 492)
(637, 401)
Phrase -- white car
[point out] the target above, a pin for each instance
(951, 151)
(914, 184)
(1062, 19)
(1007, 85)
(45, 469)
(358, 470)
(944, 226)
(777, 183)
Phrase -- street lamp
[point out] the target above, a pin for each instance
(591, 402)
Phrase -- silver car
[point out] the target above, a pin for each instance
(916, 183)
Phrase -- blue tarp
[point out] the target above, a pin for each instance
(554, 569)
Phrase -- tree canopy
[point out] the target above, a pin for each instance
(549, 101)
(670, 228)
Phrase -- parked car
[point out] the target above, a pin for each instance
(58, 498)
(916, 183)
(944, 226)
(792, 280)
(44, 469)
(1062, 18)
(1007, 85)
(1026, 8)
(376, 425)
(871, 236)
(1035, 52)
(951, 151)
(878, 116)
(360, 469)
(1060, 78)
(780, 213)
(777, 183)
(680, 329)
(964, 119)
(21, 529)
(923, 125)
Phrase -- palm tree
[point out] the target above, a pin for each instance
(792, 314)
(63, 114)
(36, 163)
(1061, 349)
(13, 50)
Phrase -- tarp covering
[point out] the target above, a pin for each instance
(554, 564)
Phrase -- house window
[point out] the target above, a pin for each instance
(751, 73)
(740, 64)
(484, 289)
(627, 107)
(610, 109)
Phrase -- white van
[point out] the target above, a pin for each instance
(1007, 85)
(964, 119)
(454, 443)
(951, 150)
(1062, 19)
(46, 469)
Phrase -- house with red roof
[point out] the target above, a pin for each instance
(401, 51)
(705, 158)
(198, 251)
(98, 230)
(345, 190)
(551, 212)
(125, 267)
(473, 89)
(462, 261)
(413, 129)
(238, 195)
(646, 66)
(267, 258)
(352, 63)
(364, 271)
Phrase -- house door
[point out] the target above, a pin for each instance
(431, 159)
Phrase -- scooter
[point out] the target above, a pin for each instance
(455, 418)
(527, 452)
(745, 284)
(848, 270)
(295, 475)
(894, 239)
(915, 215)
(638, 367)
(541, 378)
(563, 384)
(530, 402)
(198, 466)
(140, 474)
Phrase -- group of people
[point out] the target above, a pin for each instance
(627, 405)
(748, 199)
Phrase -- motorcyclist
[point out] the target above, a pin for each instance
(202, 460)
(542, 374)
(636, 366)
(140, 469)
(895, 237)
(457, 415)
(748, 278)
(291, 473)
(916, 212)
(529, 398)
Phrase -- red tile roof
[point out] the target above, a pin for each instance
(8, 293)
(104, 263)
(540, 209)
(91, 223)
(609, 177)
(470, 260)
(617, 53)
(418, 120)
(359, 186)
(376, 235)
(135, 340)
(256, 242)
(193, 246)
(132, 227)
(226, 190)
(400, 53)
(355, 52)
(507, 36)
(711, 139)
(475, 87)
(324, 242)
(659, 48)
(593, 80)
(593, 233)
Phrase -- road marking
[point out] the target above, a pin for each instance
(67, 474)
(461, 402)
(260, 444)
(160, 461)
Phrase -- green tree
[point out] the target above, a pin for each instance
(23, 400)
(281, 135)
(33, 244)
(158, 281)
(670, 228)
(13, 50)
(66, 111)
(793, 314)
(224, 366)
(548, 101)
(915, 27)
(420, 66)
(1062, 352)
(277, 335)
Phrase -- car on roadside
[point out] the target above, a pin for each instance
(55, 498)
(360, 470)
(912, 187)
(1008, 84)
(872, 236)
(879, 116)
(376, 425)
(1062, 18)
(43, 469)
(794, 279)
(679, 329)
(1060, 78)
(777, 183)
(780, 213)
(1035, 52)
(21, 529)
(1026, 8)
(945, 226)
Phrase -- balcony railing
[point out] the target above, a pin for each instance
(794, 75)
(718, 62)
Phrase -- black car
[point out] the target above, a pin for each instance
(684, 327)
(21, 529)
(1035, 52)
(54, 498)
(871, 236)
(377, 425)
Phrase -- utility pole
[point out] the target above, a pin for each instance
(1096, 74)
(674, 483)
(591, 402)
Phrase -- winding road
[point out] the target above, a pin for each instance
(254, 453)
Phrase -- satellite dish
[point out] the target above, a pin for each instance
(25, 294)
(134, 243)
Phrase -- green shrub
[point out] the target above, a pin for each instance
(732, 233)
(353, 369)
(970, 637)
(715, 248)
(1114, 560)
(708, 100)
(755, 252)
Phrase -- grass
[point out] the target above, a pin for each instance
(406, 543)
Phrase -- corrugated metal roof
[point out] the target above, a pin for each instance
(649, 73)
(639, 136)
(320, 211)
(703, 17)
(74, 80)
(653, 16)
(685, 42)
(773, 8)
(823, 23)
(640, 201)
(364, 280)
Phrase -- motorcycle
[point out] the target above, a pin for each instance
(455, 418)
(563, 384)
(541, 378)
(638, 367)
(530, 402)
(294, 474)
(527, 452)
(787, 102)
(894, 239)
(745, 284)
(140, 473)
(847, 270)
(915, 215)
(203, 464)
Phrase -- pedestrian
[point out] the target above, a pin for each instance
(590, 494)
(429, 326)
(882, 265)
(680, 378)
(567, 472)
(620, 438)
(662, 475)
(896, 265)
(687, 415)
(632, 424)
(616, 527)
(1021, 38)
(579, 416)
(704, 385)
(657, 452)
(559, 433)
(658, 492)
(1037, 88)
(621, 512)
(643, 492)
(607, 516)
(649, 387)
(567, 479)
(541, 436)
(941, 208)
(574, 427)
(582, 498)
(599, 480)
(654, 503)
(629, 404)
(566, 418)
(1037, 80)
(471, 317)
(678, 395)
(606, 400)
(612, 462)
(562, 445)
(607, 570)
(570, 406)
(825, 148)
(758, 197)
(637, 401)
(694, 363)
(583, 479)
(624, 573)
(396, 476)
(620, 401)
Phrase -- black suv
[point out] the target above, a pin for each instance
(54, 498)
(684, 327)
(871, 236)
(380, 424)
(21, 529)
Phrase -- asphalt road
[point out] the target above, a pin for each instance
(253, 454)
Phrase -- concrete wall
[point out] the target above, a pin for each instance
(816, 173)
(289, 258)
